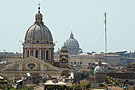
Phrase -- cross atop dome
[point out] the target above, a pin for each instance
(39, 4)
(39, 8)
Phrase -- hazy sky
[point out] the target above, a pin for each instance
(83, 17)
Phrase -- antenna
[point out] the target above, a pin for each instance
(105, 36)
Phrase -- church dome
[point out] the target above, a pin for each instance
(98, 69)
(80, 51)
(72, 42)
(38, 32)
(64, 47)
(72, 45)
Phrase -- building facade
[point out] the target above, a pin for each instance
(84, 59)
(38, 53)
(10, 56)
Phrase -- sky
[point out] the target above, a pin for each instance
(85, 18)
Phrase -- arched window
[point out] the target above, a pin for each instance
(47, 55)
(63, 60)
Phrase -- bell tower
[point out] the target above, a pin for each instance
(64, 57)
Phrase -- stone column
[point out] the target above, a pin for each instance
(41, 67)
(52, 53)
(50, 57)
(43, 53)
(31, 51)
(40, 53)
(25, 56)
(23, 53)
(20, 67)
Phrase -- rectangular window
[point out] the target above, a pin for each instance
(28, 53)
(80, 62)
(47, 55)
(71, 62)
(36, 53)
(74, 62)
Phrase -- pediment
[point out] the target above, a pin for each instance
(31, 64)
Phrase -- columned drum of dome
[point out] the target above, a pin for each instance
(38, 40)
(72, 45)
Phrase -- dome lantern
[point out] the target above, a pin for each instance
(71, 36)
(38, 16)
